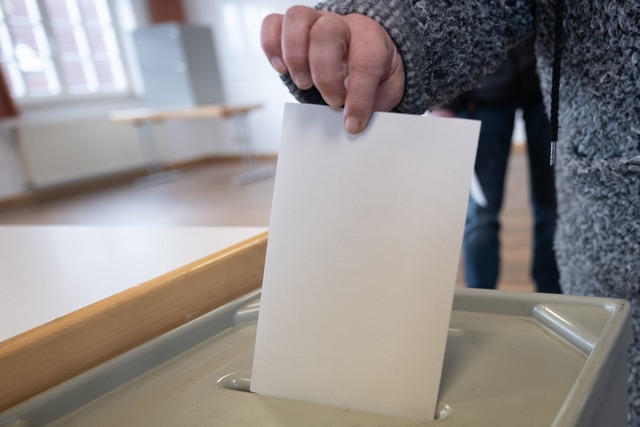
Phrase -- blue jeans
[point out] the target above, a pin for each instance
(481, 245)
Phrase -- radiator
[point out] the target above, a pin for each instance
(60, 153)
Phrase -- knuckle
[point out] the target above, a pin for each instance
(299, 12)
(271, 33)
(367, 68)
(328, 26)
(329, 86)
(328, 72)
(271, 19)
(294, 58)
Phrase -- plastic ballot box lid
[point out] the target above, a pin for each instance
(512, 359)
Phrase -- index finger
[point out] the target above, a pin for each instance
(367, 68)
(376, 74)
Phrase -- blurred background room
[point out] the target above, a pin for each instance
(107, 118)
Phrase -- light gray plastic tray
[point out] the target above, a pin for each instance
(512, 359)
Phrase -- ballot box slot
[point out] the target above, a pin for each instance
(237, 381)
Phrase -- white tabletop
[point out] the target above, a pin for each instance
(49, 271)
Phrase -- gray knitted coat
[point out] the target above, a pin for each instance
(447, 46)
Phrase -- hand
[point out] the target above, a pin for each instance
(443, 112)
(350, 59)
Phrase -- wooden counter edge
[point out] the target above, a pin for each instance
(43, 357)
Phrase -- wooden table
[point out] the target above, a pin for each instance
(145, 120)
(70, 296)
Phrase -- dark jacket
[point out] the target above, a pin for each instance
(514, 83)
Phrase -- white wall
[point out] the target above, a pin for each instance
(247, 75)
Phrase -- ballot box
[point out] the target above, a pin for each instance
(512, 359)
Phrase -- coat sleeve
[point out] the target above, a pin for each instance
(446, 46)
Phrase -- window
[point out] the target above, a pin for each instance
(52, 48)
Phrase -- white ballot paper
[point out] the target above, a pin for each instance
(362, 256)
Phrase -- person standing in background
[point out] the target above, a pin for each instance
(514, 85)
(413, 56)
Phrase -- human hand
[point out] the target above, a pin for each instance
(350, 59)
(443, 112)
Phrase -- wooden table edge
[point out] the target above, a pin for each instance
(48, 355)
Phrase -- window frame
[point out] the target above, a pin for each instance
(65, 95)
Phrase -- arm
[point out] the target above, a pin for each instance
(340, 60)
(444, 50)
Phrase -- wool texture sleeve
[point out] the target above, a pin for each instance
(446, 46)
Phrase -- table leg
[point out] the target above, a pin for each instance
(251, 172)
(156, 172)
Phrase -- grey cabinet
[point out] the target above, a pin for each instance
(178, 65)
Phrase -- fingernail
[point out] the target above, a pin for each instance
(335, 101)
(278, 65)
(352, 124)
(303, 80)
